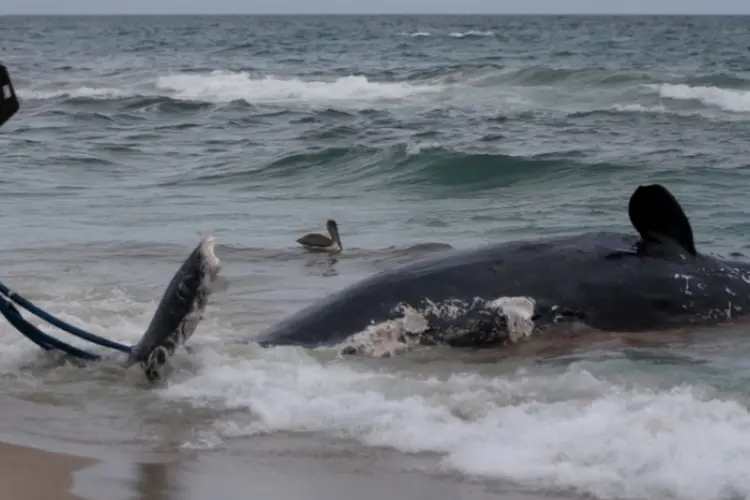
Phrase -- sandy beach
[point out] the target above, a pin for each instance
(32, 474)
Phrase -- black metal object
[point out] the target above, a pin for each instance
(9, 104)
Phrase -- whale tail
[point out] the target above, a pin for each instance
(180, 310)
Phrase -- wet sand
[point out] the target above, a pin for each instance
(100, 462)
(31, 473)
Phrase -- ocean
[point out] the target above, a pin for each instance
(137, 135)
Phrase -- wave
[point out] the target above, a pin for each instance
(724, 80)
(471, 34)
(85, 91)
(442, 167)
(401, 166)
(416, 34)
(444, 85)
(567, 433)
(546, 75)
(452, 34)
(228, 86)
(733, 100)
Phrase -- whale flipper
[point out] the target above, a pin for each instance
(658, 217)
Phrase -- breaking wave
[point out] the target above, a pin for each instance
(450, 85)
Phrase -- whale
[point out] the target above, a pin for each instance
(180, 310)
(652, 279)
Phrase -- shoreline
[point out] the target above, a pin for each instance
(34, 474)
(31, 473)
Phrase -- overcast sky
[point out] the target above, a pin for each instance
(365, 6)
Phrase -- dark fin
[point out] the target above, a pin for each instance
(659, 218)
(8, 100)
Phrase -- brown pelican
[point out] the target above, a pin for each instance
(315, 242)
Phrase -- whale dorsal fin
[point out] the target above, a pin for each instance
(659, 218)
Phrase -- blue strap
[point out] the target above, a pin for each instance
(37, 336)
(67, 327)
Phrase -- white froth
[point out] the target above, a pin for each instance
(518, 312)
(416, 34)
(415, 148)
(78, 92)
(639, 108)
(226, 86)
(471, 34)
(573, 431)
(726, 99)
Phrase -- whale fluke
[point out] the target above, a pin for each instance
(180, 310)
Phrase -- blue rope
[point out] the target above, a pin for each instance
(37, 336)
(67, 327)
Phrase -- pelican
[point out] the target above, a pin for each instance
(315, 242)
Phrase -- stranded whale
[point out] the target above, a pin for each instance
(505, 292)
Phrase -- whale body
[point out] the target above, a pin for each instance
(651, 280)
